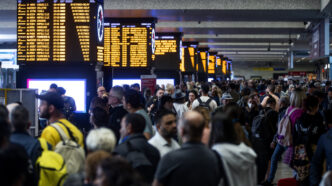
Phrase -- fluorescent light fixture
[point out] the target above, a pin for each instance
(242, 44)
(75, 88)
(8, 37)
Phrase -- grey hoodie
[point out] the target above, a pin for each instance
(239, 163)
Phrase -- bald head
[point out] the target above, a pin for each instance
(192, 126)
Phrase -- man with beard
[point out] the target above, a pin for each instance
(166, 127)
(50, 108)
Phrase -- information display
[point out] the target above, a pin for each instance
(212, 63)
(189, 57)
(167, 53)
(62, 31)
(224, 67)
(203, 56)
(129, 42)
(218, 65)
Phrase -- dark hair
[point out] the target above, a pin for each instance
(272, 88)
(223, 130)
(270, 101)
(4, 131)
(135, 85)
(14, 164)
(60, 90)
(157, 89)
(235, 113)
(160, 114)
(205, 88)
(100, 117)
(164, 99)
(245, 92)
(53, 86)
(3, 112)
(119, 172)
(20, 118)
(98, 102)
(310, 103)
(195, 93)
(232, 86)
(137, 122)
(132, 97)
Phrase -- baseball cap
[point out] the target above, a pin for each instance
(52, 98)
(226, 96)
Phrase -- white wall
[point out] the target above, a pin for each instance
(247, 68)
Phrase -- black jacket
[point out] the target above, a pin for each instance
(140, 143)
(116, 115)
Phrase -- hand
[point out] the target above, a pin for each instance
(273, 145)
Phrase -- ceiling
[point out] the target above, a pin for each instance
(238, 33)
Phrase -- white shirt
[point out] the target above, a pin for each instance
(180, 109)
(213, 105)
(162, 145)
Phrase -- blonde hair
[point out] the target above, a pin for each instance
(297, 97)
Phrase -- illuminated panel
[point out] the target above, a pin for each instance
(212, 65)
(60, 31)
(182, 61)
(167, 52)
(128, 44)
(203, 60)
(107, 46)
(224, 67)
(192, 56)
(219, 61)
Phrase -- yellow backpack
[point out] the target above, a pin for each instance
(51, 167)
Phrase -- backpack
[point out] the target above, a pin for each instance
(204, 104)
(284, 134)
(70, 150)
(258, 128)
(50, 166)
(301, 157)
(140, 162)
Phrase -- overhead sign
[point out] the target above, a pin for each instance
(129, 42)
(60, 31)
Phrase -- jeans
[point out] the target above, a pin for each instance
(278, 151)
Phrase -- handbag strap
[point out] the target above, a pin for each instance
(60, 131)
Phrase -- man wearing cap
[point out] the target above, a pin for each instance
(226, 99)
(205, 98)
(50, 108)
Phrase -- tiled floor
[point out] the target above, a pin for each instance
(283, 171)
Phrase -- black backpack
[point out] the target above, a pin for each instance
(204, 104)
(140, 162)
(260, 125)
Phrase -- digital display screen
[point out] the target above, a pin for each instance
(167, 53)
(189, 57)
(129, 43)
(218, 65)
(224, 67)
(61, 31)
(203, 56)
(212, 64)
(75, 88)
(8, 58)
(121, 82)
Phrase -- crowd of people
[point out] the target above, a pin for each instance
(230, 133)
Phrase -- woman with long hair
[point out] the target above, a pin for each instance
(238, 159)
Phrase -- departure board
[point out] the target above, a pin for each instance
(60, 31)
(167, 52)
(129, 43)
(203, 56)
(212, 64)
(218, 65)
(224, 67)
(189, 57)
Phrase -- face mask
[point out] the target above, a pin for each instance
(249, 105)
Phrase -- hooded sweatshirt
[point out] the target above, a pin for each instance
(239, 163)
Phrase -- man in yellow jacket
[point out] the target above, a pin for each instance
(50, 108)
